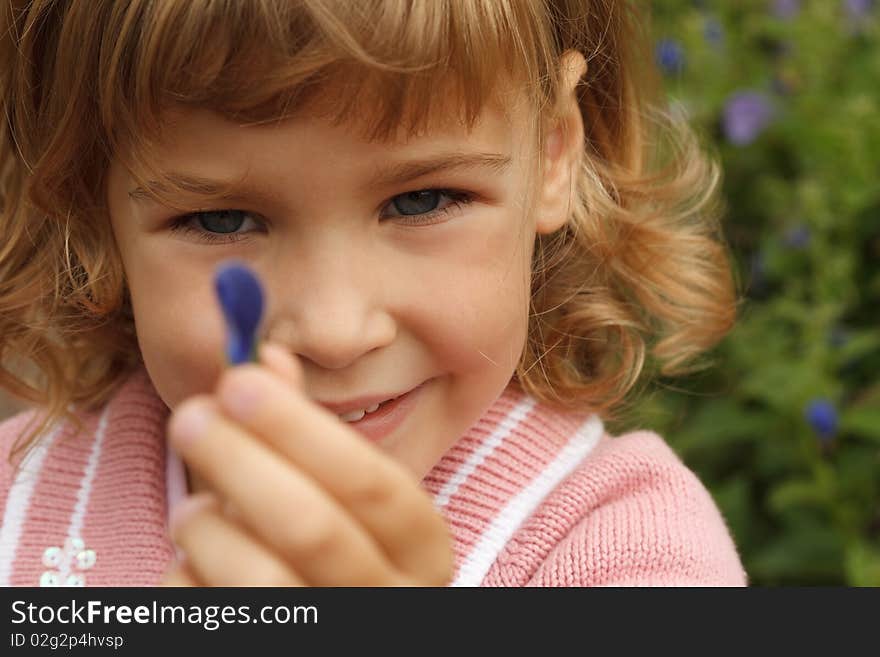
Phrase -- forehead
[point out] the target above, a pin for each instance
(204, 141)
(204, 154)
(207, 131)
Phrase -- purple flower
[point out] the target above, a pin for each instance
(822, 417)
(241, 298)
(669, 54)
(785, 9)
(857, 9)
(797, 237)
(746, 115)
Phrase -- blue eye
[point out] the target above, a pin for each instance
(419, 202)
(422, 207)
(214, 225)
(223, 221)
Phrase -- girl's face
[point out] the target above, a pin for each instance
(385, 265)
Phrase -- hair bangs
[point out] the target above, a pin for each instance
(389, 69)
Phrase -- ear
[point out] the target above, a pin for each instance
(563, 149)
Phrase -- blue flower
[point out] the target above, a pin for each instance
(797, 237)
(746, 115)
(785, 9)
(713, 31)
(858, 9)
(822, 417)
(241, 298)
(758, 283)
(669, 54)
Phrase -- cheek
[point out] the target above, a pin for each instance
(179, 331)
(478, 301)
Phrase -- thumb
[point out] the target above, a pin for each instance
(281, 362)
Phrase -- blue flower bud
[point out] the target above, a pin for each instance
(713, 32)
(670, 56)
(857, 9)
(758, 282)
(746, 115)
(797, 237)
(241, 298)
(822, 417)
(786, 9)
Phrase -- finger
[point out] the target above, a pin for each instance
(276, 500)
(281, 362)
(219, 552)
(376, 490)
(178, 576)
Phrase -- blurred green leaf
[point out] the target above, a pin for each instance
(810, 555)
(862, 564)
(734, 500)
(720, 423)
(803, 492)
(864, 422)
(860, 345)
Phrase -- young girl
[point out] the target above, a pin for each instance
(473, 229)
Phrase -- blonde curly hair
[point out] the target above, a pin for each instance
(639, 275)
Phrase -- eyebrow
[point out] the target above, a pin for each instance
(398, 173)
(448, 162)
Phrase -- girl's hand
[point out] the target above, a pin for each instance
(298, 497)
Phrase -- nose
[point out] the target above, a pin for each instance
(332, 316)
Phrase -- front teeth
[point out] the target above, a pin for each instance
(354, 416)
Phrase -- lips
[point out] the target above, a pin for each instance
(359, 404)
(353, 416)
(389, 416)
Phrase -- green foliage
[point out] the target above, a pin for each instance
(797, 478)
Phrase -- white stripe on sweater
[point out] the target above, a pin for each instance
(74, 529)
(18, 501)
(476, 565)
(501, 431)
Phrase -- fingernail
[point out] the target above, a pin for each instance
(280, 361)
(189, 422)
(240, 393)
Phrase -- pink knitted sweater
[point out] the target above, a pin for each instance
(532, 497)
